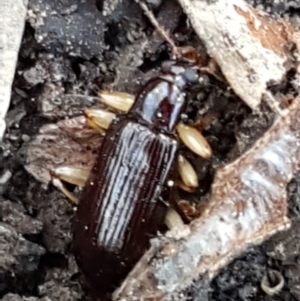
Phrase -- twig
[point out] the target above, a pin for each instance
(158, 27)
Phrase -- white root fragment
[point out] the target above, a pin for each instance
(194, 140)
(12, 22)
(247, 205)
(187, 172)
(118, 100)
(276, 286)
(249, 47)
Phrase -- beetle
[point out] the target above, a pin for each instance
(120, 206)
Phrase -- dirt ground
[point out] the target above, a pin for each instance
(70, 51)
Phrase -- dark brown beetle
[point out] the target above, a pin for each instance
(120, 207)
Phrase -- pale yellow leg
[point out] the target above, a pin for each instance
(194, 140)
(73, 175)
(119, 101)
(173, 219)
(187, 174)
(99, 119)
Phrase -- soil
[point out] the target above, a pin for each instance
(70, 51)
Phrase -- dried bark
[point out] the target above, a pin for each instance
(12, 20)
(251, 49)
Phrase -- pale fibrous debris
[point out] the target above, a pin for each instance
(272, 283)
(249, 47)
(247, 205)
(12, 23)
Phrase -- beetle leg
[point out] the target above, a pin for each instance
(173, 219)
(71, 196)
(179, 183)
(99, 119)
(119, 101)
(194, 140)
(73, 175)
(188, 175)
